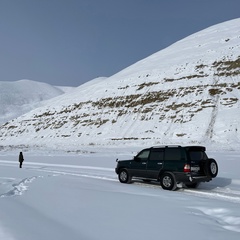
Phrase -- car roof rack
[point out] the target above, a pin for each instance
(166, 146)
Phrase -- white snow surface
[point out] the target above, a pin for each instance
(57, 196)
(19, 97)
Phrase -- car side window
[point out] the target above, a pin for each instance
(172, 154)
(143, 155)
(156, 155)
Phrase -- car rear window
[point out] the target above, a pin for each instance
(197, 155)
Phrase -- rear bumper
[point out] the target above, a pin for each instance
(189, 178)
(200, 179)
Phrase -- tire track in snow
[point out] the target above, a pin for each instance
(230, 196)
(86, 175)
(58, 165)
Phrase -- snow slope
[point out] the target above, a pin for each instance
(187, 93)
(19, 97)
(59, 197)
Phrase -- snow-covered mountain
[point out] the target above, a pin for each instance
(188, 93)
(19, 97)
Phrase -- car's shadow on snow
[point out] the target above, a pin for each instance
(216, 183)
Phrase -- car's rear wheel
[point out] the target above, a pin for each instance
(168, 181)
(124, 176)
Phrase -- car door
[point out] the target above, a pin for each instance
(155, 162)
(139, 164)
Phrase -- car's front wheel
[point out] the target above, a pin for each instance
(168, 181)
(124, 176)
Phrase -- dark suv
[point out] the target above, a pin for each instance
(170, 165)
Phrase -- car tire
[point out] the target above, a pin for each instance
(212, 167)
(168, 181)
(124, 176)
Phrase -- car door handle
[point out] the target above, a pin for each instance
(159, 163)
(144, 163)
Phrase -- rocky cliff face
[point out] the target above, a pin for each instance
(188, 93)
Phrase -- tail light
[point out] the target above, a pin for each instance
(187, 168)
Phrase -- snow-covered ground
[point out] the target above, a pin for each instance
(59, 197)
(19, 97)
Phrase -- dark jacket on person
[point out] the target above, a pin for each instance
(21, 159)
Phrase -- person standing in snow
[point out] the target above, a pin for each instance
(21, 159)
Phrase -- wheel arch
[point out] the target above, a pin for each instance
(161, 172)
(173, 183)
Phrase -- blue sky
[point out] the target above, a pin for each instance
(69, 42)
